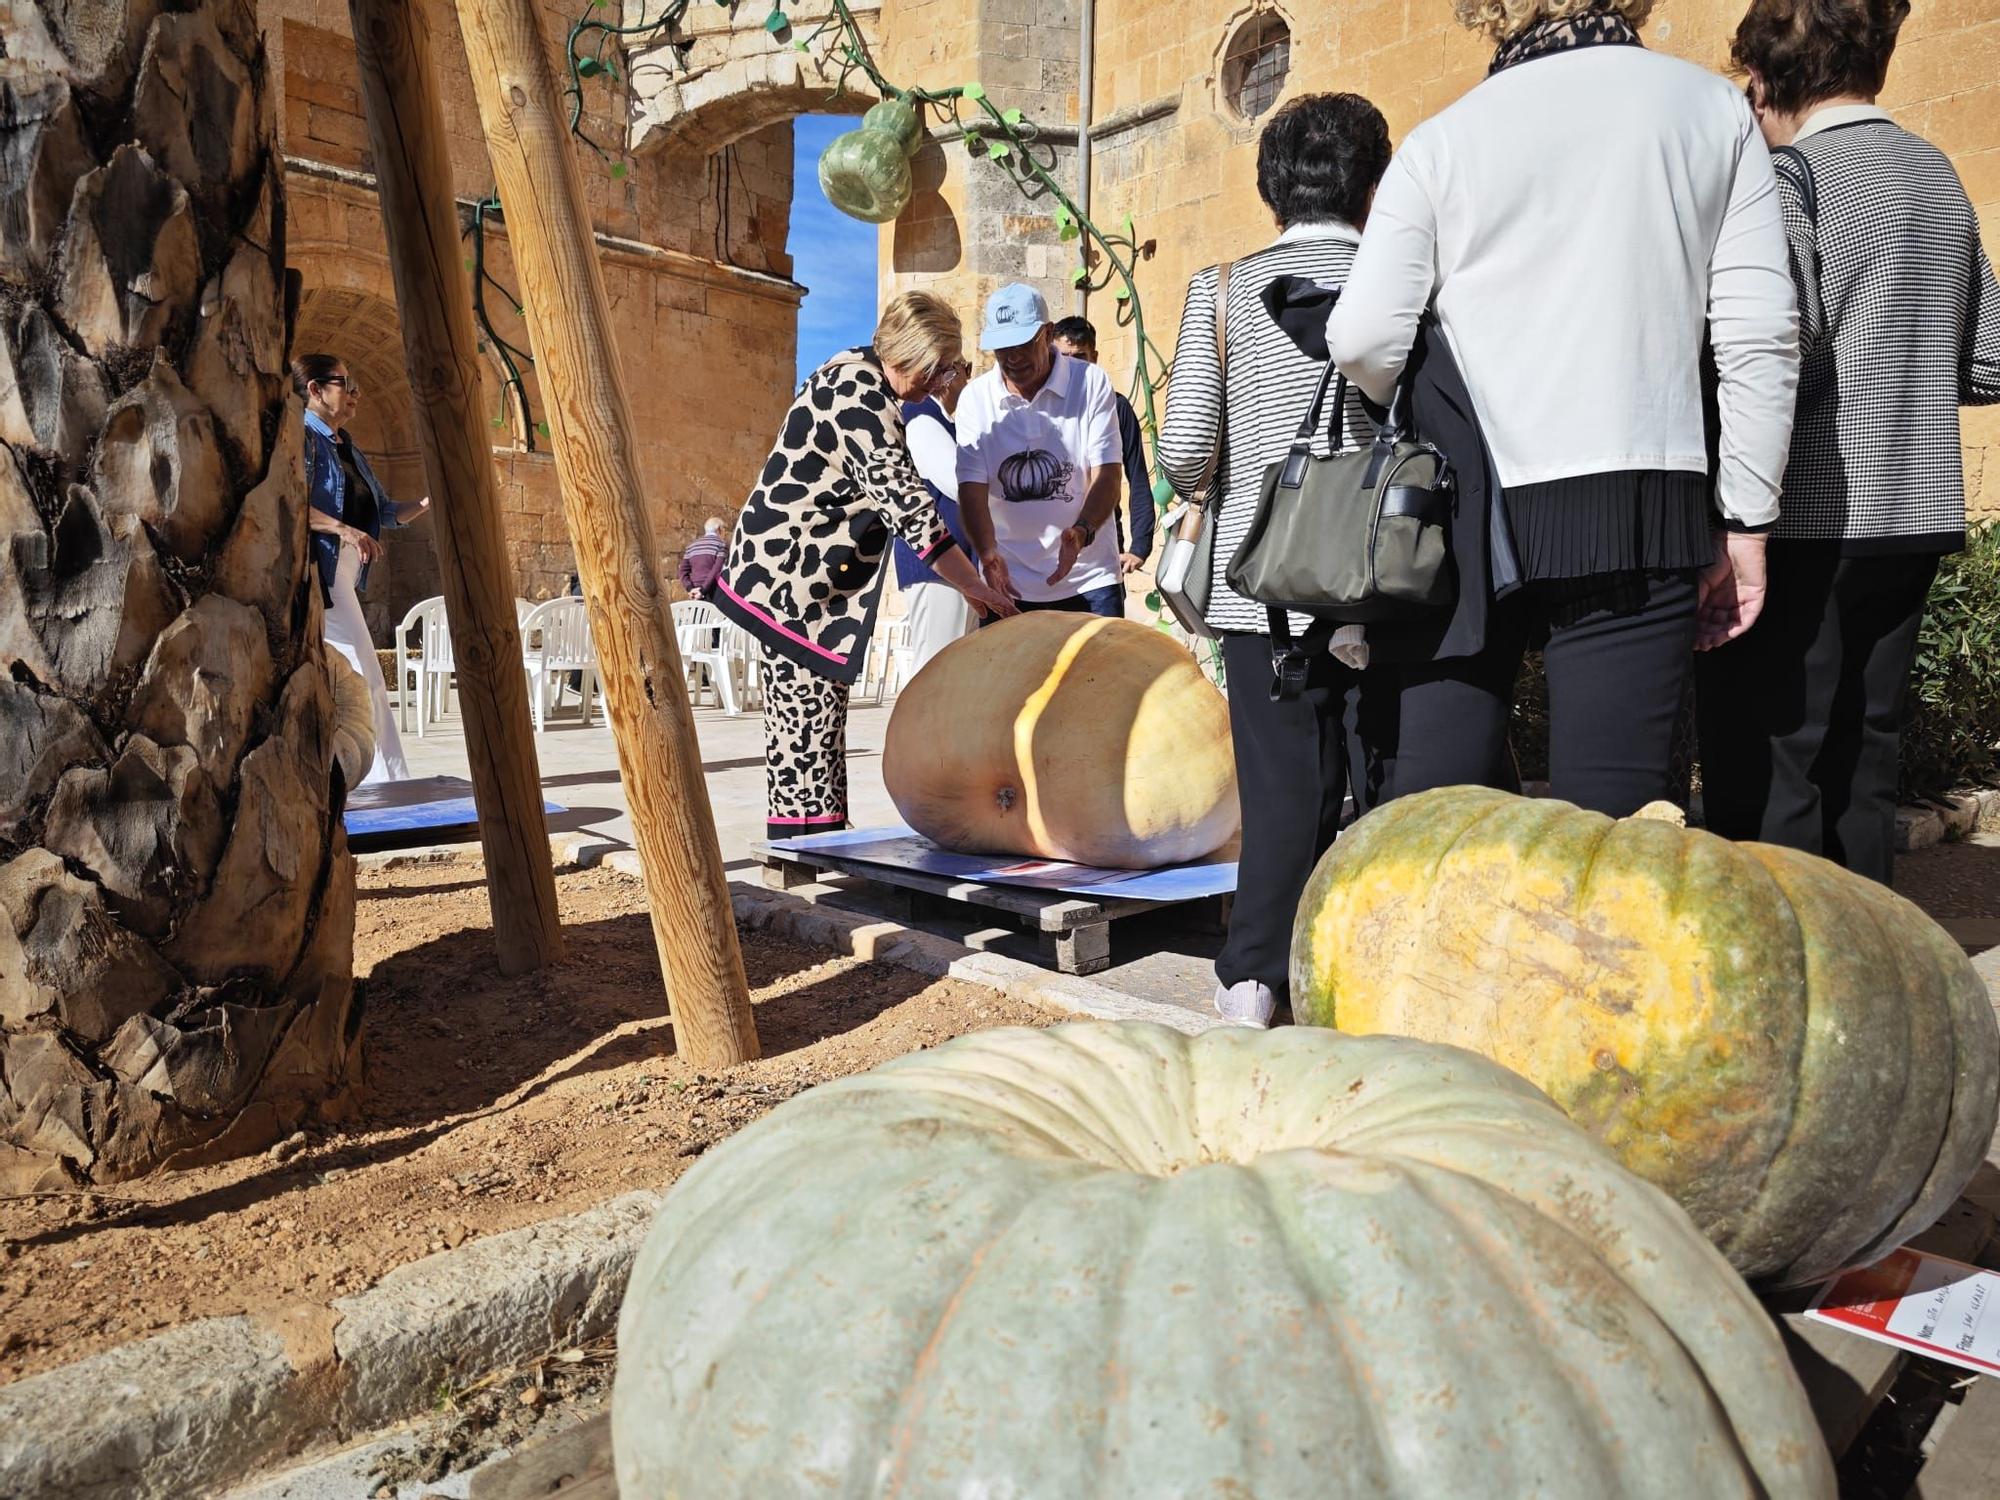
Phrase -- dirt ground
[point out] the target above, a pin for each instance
(492, 1103)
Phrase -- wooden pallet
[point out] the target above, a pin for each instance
(1847, 1378)
(1073, 932)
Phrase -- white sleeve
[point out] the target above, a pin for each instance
(1374, 324)
(935, 451)
(1753, 326)
(972, 431)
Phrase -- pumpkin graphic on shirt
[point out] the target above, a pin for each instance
(1034, 474)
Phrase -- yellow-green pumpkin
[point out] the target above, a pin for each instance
(1112, 1262)
(1803, 1059)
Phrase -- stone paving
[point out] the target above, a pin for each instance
(1152, 957)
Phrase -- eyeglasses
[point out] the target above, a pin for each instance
(344, 382)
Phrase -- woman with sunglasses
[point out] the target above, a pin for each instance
(805, 567)
(347, 513)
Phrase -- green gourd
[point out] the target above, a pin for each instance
(865, 173)
(1116, 1262)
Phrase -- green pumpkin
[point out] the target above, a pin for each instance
(865, 173)
(1109, 1261)
(1802, 1058)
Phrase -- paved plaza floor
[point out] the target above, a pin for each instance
(1155, 957)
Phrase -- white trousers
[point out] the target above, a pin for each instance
(939, 615)
(347, 633)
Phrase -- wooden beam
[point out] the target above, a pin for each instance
(406, 131)
(590, 418)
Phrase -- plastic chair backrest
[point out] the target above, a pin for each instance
(565, 630)
(436, 640)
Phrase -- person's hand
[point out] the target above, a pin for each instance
(1730, 594)
(366, 545)
(993, 568)
(1068, 545)
(1130, 563)
(419, 508)
(989, 601)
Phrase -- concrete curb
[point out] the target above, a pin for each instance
(216, 1402)
(209, 1404)
(1918, 824)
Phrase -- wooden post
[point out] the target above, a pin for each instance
(569, 321)
(406, 130)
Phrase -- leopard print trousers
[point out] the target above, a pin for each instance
(805, 750)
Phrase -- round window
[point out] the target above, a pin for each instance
(1256, 63)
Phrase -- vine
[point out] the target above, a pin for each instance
(511, 356)
(1106, 260)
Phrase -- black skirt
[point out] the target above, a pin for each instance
(1629, 521)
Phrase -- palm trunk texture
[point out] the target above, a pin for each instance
(176, 895)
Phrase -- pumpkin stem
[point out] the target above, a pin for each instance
(1005, 798)
(1662, 812)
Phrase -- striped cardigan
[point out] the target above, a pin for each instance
(1270, 385)
(1899, 326)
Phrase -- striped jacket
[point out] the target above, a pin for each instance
(1899, 326)
(1269, 383)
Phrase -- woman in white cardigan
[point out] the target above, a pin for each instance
(1582, 221)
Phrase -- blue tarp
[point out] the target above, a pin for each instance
(903, 848)
(383, 810)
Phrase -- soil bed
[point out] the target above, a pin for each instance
(491, 1103)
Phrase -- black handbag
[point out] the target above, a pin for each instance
(1359, 536)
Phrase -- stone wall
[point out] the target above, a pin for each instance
(695, 261)
(1170, 150)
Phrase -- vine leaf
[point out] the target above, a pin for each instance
(775, 22)
(999, 150)
(1079, 276)
(588, 67)
(974, 92)
(541, 429)
(1124, 293)
(1011, 116)
(618, 169)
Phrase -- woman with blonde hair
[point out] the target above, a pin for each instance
(1581, 222)
(804, 573)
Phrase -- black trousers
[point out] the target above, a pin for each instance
(1295, 765)
(1618, 649)
(1801, 716)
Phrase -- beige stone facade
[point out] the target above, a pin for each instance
(693, 232)
(1169, 149)
(694, 254)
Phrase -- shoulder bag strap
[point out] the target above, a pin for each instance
(1222, 380)
(1792, 163)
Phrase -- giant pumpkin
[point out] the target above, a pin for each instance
(1802, 1058)
(1115, 1262)
(1066, 737)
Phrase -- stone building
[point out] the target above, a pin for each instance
(694, 258)
(692, 192)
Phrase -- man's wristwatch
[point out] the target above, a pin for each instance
(1089, 531)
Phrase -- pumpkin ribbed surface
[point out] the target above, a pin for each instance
(1113, 1261)
(1802, 1058)
(1065, 736)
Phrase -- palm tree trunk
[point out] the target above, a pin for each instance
(176, 895)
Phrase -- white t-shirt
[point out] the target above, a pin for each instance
(1035, 458)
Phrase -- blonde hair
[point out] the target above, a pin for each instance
(919, 332)
(1501, 19)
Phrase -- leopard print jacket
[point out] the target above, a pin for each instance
(805, 567)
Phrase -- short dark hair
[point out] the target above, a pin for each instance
(314, 369)
(1320, 158)
(1809, 50)
(1074, 330)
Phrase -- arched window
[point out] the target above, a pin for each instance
(1256, 63)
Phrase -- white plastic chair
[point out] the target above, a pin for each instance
(745, 663)
(890, 656)
(522, 609)
(423, 667)
(407, 671)
(555, 641)
(702, 635)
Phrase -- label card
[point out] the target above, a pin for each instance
(1938, 1307)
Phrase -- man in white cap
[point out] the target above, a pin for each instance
(1039, 465)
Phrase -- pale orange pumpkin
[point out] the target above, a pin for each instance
(1068, 737)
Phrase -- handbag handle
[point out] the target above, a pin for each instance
(1393, 429)
(1221, 380)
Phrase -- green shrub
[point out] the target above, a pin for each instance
(1953, 735)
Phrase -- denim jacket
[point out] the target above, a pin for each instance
(326, 489)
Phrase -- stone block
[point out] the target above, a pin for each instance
(1917, 828)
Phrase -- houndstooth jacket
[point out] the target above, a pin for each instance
(1899, 326)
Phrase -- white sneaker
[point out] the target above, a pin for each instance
(1246, 1003)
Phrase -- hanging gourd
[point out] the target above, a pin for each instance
(865, 173)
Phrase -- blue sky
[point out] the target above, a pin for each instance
(833, 256)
